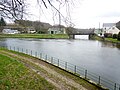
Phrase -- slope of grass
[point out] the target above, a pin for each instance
(15, 76)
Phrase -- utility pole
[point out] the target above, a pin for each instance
(99, 25)
(59, 17)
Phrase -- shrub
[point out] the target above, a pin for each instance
(118, 38)
(114, 36)
(108, 35)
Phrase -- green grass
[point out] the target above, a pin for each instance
(42, 36)
(112, 40)
(95, 37)
(61, 71)
(15, 76)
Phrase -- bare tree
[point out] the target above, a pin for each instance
(62, 3)
(13, 9)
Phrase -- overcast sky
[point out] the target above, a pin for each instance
(84, 14)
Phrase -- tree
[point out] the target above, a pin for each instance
(2, 22)
(118, 25)
(13, 9)
(16, 9)
(118, 36)
(114, 36)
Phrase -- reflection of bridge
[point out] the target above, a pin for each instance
(72, 32)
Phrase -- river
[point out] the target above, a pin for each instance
(102, 58)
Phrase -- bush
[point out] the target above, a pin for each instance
(108, 35)
(114, 36)
(118, 38)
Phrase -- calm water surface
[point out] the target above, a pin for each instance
(98, 57)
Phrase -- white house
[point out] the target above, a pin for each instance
(10, 31)
(57, 29)
(107, 26)
(113, 30)
(31, 30)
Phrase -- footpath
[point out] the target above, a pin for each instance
(59, 78)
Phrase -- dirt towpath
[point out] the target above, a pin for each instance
(47, 71)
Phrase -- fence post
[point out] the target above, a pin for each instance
(85, 74)
(115, 87)
(46, 57)
(26, 51)
(51, 60)
(99, 81)
(10, 47)
(58, 62)
(18, 49)
(65, 65)
(22, 50)
(35, 54)
(14, 48)
(40, 55)
(31, 52)
(75, 69)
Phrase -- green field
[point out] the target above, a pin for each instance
(42, 36)
(15, 76)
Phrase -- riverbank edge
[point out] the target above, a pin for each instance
(39, 36)
(64, 70)
(95, 37)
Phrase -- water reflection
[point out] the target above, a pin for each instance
(110, 45)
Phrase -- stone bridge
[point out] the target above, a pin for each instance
(72, 32)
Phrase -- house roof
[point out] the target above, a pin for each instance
(109, 24)
(57, 26)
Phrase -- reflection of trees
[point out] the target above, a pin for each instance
(111, 45)
(118, 46)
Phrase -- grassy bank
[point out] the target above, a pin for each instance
(41, 36)
(15, 76)
(16, 73)
(112, 40)
(95, 37)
